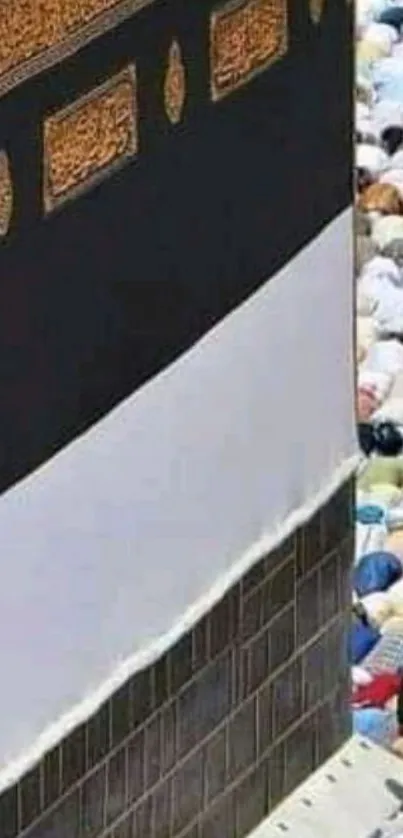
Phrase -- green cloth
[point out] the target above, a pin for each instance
(382, 470)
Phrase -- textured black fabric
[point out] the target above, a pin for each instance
(113, 287)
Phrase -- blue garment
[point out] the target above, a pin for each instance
(378, 725)
(376, 572)
(379, 7)
(361, 640)
(370, 513)
(393, 16)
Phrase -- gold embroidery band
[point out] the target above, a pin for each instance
(245, 38)
(87, 140)
(35, 35)
(6, 194)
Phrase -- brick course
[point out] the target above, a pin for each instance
(206, 741)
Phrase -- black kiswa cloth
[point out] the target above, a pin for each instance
(112, 287)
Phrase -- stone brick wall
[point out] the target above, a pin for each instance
(204, 743)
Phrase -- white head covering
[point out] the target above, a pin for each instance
(384, 360)
(393, 830)
(397, 50)
(394, 177)
(368, 128)
(368, 538)
(388, 318)
(365, 11)
(366, 331)
(387, 112)
(381, 268)
(387, 65)
(391, 411)
(394, 524)
(366, 304)
(362, 111)
(371, 157)
(386, 229)
(360, 677)
(382, 34)
(396, 161)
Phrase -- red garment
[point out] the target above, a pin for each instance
(376, 694)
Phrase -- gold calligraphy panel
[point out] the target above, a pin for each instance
(37, 33)
(245, 38)
(86, 141)
(6, 194)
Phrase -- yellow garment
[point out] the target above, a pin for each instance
(378, 607)
(366, 332)
(394, 598)
(369, 51)
(393, 625)
(382, 470)
(385, 493)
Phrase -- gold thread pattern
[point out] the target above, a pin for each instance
(87, 140)
(245, 38)
(34, 34)
(316, 10)
(6, 194)
(175, 84)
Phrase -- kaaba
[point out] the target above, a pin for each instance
(177, 425)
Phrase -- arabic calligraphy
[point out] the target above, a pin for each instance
(6, 194)
(245, 38)
(175, 84)
(85, 141)
(37, 33)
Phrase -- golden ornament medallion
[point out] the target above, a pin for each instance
(175, 84)
(316, 9)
